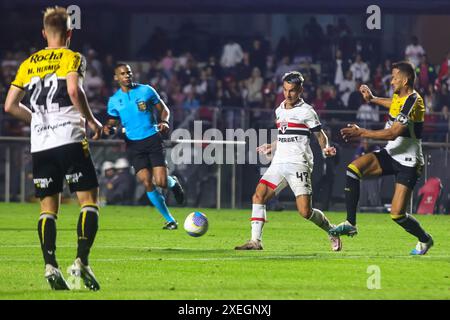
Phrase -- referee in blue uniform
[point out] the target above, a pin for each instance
(133, 105)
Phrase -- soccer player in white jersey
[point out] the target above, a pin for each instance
(292, 162)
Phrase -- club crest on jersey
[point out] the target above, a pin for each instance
(141, 105)
(284, 126)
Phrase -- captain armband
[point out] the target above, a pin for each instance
(402, 119)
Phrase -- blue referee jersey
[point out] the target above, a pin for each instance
(135, 110)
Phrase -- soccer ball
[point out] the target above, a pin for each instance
(196, 224)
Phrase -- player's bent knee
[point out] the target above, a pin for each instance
(305, 212)
(162, 183)
(148, 184)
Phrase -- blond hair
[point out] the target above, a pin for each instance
(56, 20)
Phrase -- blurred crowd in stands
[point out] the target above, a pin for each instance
(247, 76)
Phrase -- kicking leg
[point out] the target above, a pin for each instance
(304, 206)
(364, 167)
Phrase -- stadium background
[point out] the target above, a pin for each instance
(275, 36)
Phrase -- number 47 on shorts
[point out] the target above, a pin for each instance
(303, 176)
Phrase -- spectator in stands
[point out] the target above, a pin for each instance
(258, 55)
(124, 184)
(108, 72)
(355, 100)
(360, 70)
(168, 63)
(340, 68)
(367, 115)
(429, 97)
(254, 85)
(92, 62)
(333, 103)
(243, 69)
(443, 70)
(313, 34)
(377, 81)
(93, 84)
(346, 87)
(425, 73)
(232, 54)
(191, 103)
(319, 102)
(106, 181)
(443, 123)
(414, 51)
(442, 98)
(283, 67)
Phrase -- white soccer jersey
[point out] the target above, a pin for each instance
(294, 129)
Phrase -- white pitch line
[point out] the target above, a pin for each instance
(208, 141)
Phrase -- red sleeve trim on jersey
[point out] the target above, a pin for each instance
(267, 183)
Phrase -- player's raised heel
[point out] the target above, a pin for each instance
(178, 191)
(78, 269)
(336, 243)
(250, 245)
(55, 278)
(344, 228)
(173, 225)
(422, 247)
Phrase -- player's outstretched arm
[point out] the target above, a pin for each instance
(369, 97)
(324, 144)
(353, 131)
(13, 105)
(79, 100)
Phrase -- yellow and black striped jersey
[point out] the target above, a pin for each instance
(55, 121)
(409, 111)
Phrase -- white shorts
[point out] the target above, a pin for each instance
(296, 175)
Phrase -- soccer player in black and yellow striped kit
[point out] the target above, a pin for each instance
(47, 93)
(402, 156)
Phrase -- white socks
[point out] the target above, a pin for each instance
(319, 219)
(258, 219)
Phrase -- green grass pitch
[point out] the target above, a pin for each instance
(134, 258)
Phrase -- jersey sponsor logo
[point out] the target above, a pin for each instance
(290, 139)
(47, 57)
(73, 178)
(141, 105)
(42, 183)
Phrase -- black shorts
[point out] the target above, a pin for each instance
(72, 162)
(404, 175)
(146, 153)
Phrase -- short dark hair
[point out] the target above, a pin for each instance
(293, 77)
(121, 64)
(407, 69)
